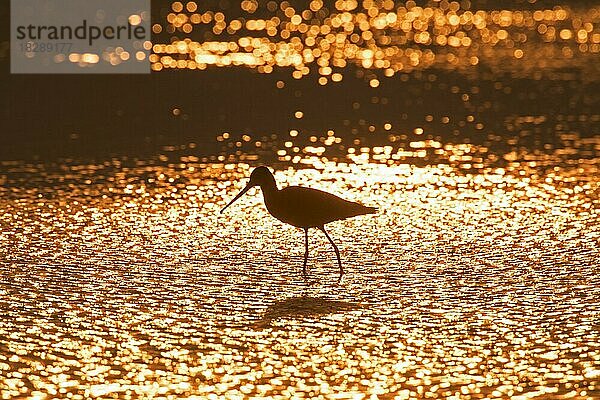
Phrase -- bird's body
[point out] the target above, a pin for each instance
(310, 208)
(303, 207)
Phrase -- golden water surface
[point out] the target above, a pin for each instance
(479, 277)
(122, 279)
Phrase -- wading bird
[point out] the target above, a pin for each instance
(303, 207)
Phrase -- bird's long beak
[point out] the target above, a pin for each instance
(240, 194)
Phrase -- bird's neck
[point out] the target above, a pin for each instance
(269, 190)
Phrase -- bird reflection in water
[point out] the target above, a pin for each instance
(303, 208)
(303, 307)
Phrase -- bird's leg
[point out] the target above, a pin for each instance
(305, 252)
(337, 252)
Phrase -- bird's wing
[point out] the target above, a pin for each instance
(319, 207)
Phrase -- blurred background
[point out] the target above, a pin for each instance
(247, 78)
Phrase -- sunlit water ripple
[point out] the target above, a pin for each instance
(123, 279)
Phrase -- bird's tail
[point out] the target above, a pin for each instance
(358, 209)
(370, 210)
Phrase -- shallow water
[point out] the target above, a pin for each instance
(124, 280)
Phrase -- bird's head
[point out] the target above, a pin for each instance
(261, 176)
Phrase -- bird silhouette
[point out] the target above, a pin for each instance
(303, 207)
